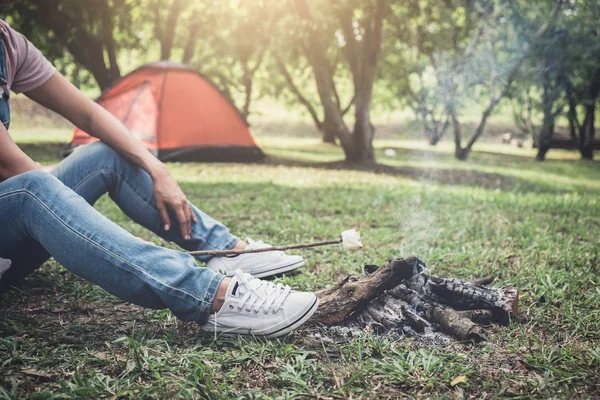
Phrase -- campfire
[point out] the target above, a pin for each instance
(402, 297)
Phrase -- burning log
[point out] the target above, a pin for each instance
(400, 296)
(353, 294)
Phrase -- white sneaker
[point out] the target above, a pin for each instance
(259, 265)
(261, 308)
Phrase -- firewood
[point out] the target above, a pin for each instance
(352, 294)
(448, 319)
(401, 297)
(481, 317)
(463, 294)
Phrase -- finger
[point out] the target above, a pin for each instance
(194, 219)
(164, 215)
(183, 222)
(186, 226)
(189, 218)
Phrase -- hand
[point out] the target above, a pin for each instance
(168, 194)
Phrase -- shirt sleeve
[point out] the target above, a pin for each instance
(32, 69)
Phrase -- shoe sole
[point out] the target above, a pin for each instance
(280, 269)
(271, 335)
(300, 321)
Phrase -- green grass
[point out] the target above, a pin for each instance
(533, 225)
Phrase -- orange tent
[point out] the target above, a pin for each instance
(179, 115)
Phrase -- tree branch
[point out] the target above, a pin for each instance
(192, 39)
(296, 91)
(345, 110)
(350, 50)
(168, 33)
(108, 39)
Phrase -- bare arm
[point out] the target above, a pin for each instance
(12, 159)
(61, 96)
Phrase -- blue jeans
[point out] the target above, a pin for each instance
(42, 215)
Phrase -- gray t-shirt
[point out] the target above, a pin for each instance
(26, 67)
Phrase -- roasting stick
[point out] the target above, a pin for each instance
(350, 240)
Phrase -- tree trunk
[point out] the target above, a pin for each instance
(436, 131)
(362, 58)
(573, 119)
(328, 136)
(589, 127)
(459, 152)
(545, 135)
(547, 130)
(247, 82)
(168, 30)
(109, 42)
(364, 77)
(589, 130)
(463, 154)
(434, 140)
(334, 126)
(192, 39)
(333, 120)
(363, 134)
(542, 150)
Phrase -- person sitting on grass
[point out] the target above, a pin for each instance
(50, 214)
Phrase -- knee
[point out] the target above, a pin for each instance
(44, 187)
(97, 151)
(102, 155)
(37, 183)
(35, 180)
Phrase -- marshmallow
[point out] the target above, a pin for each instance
(351, 239)
(4, 266)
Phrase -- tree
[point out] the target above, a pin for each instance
(467, 50)
(91, 32)
(551, 57)
(423, 100)
(497, 64)
(416, 30)
(582, 43)
(562, 70)
(341, 38)
(166, 17)
(214, 37)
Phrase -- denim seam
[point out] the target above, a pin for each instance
(139, 196)
(231, 243)
(87, 177)
(211, 293)
(139, 269)
(227, 246)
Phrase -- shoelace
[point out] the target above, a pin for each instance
(260, 295)
(259, 244)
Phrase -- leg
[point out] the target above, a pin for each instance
(96, 169)
(36, 207)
